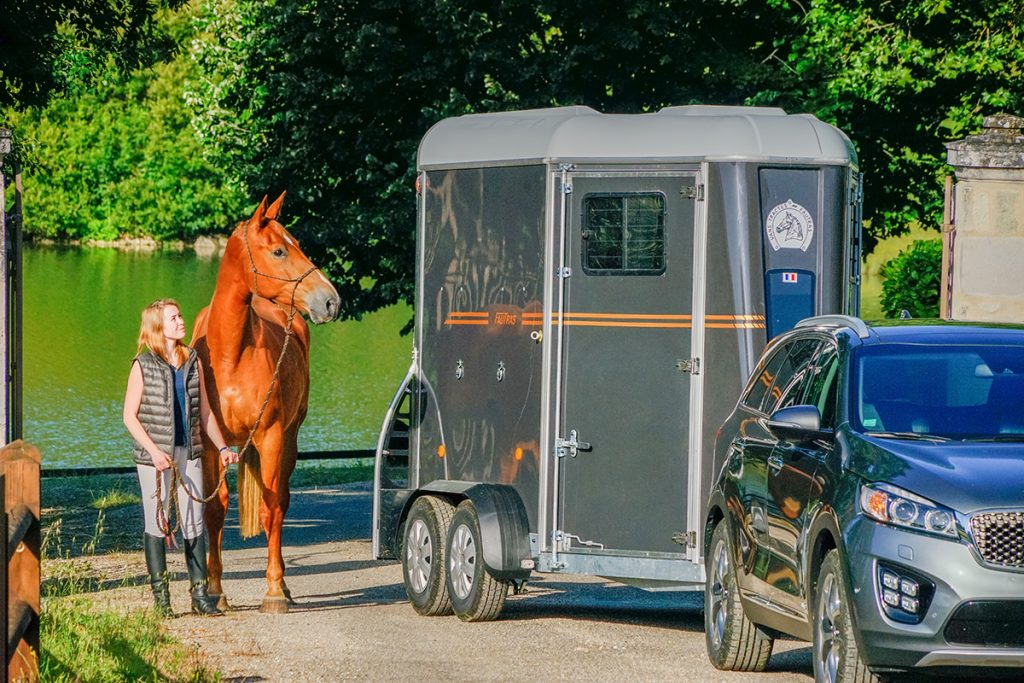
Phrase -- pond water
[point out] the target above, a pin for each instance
(81, 321)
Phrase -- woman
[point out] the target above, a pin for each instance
(164, 407)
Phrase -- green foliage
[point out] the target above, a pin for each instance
(912, 280)
(901, 79)
(58, 44)
(120, 159)
(330, 99)
(83, 643)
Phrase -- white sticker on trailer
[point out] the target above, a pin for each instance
(790, 226)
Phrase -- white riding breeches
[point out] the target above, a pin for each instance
(190, 513)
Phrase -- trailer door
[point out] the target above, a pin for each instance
(626, 362)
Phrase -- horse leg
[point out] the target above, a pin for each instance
(214, 513)
(272, 517)
(289, 454)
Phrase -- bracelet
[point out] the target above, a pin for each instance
(223, 448)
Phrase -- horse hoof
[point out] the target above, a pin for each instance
(222, 603)
(274, 606)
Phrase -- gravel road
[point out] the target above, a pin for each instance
(352, 621)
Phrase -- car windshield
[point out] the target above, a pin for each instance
(932, 391)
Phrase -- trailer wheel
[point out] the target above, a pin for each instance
(475, 594)
(423, 555)
(734, 643)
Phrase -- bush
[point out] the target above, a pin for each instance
(912, 280)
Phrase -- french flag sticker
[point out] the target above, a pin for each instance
(789, 277)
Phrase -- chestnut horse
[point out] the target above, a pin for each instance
(242, 337)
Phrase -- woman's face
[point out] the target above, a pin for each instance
(174, 324)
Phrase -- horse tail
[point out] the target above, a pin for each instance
(250, 493)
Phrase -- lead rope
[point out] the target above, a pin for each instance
(163, 519)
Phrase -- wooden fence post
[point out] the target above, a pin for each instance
(20, 466)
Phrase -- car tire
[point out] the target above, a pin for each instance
(423, 555)
(734, 643)
(834, 652)
(476, 595)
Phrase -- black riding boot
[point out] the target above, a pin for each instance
(195, 559)
(156, 563)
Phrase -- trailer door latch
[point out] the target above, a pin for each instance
(690, 365)
(570, 446)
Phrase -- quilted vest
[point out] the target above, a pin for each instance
(156, 412)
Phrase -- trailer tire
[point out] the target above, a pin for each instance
(476, 595)
(734, 643)
(424, 556)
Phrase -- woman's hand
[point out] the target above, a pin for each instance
(228, 456)
(161, 461)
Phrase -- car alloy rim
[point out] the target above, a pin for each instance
(719, 594)
(419, 555)
(462, 562)
(829, 606)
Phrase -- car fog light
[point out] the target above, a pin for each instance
(909, 604)
(891, 598)
(890, 580)
(908, 587)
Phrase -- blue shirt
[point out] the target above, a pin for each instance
(180, 431)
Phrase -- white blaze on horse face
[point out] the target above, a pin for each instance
(323, 278)
(289, 240)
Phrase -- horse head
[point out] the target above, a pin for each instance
(280, 271)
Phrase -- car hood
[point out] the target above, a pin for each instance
(964, 476)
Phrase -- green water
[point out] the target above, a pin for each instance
(81, 318)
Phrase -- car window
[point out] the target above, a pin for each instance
(794, 376)
(762, 385)
(948, 390)
(825, 384)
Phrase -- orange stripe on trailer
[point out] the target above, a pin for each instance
(465, 322)
(468, 314)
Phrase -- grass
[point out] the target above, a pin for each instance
(87, 517)
(83, 643)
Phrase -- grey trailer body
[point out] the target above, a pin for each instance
(592, 292)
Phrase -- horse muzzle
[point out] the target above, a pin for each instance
(324, 304)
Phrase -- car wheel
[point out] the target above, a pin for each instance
(423, 555)
(475, 594)
(734, 643)
(835, 654)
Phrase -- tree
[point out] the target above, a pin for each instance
(901, 79)
(329, 99)
(119, 158)
(51, 45)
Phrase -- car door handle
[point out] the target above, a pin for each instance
(775, 463)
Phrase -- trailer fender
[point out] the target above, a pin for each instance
(504, 526)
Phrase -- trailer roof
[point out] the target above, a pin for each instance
(580, 134)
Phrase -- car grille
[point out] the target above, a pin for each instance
(1000, 537)
(987, 622)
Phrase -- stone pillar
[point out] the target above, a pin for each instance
(983, 231)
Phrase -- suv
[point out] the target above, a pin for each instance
(870, 499)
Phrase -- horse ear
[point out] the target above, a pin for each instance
(275, 209)
(261, 211)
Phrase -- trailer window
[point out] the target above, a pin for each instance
(624, 233)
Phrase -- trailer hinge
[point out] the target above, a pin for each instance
(693, 192)
(690, 365)
(570, 446)
(566, 188)
(564, 272)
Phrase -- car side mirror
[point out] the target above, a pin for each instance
(799, 424)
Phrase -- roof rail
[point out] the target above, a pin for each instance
(855, 324)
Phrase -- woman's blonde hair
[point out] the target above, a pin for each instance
(151, 333)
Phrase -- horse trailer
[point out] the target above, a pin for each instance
(592, 291)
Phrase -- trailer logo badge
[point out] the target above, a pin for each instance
(790, 226)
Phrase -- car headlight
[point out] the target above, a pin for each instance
(892, 505)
